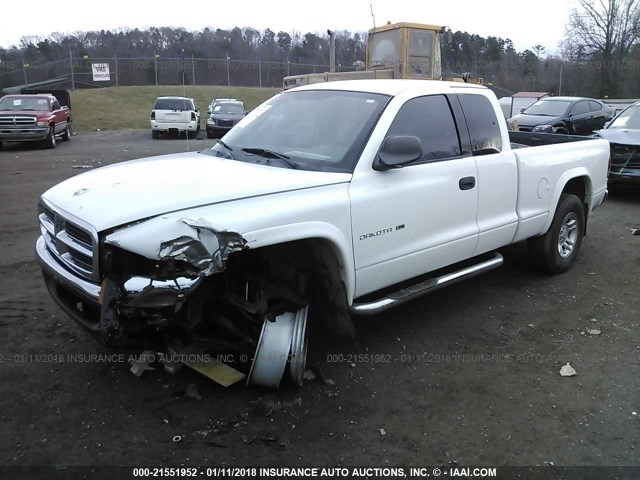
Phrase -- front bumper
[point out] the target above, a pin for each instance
(80, 299)
(32, 134)
(76, 296)
(626, 176)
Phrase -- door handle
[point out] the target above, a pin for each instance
(467, 183)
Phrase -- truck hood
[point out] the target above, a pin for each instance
(126, 192)
(35, 113)
(622, 136)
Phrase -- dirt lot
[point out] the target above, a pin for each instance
(470, 373)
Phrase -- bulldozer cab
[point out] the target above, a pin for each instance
(412, 50)
(398, 50)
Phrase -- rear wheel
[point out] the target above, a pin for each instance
(557, 250)
(154, 134)
(50, 141)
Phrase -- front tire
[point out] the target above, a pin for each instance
(557, 250)
(66, 136)
(154, 134)
(50, 141)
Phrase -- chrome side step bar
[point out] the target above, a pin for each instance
(427, 286)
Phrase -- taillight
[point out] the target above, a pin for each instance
(193, 115)
(153, 115)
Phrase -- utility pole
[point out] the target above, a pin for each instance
(332, 51)
(228, 79)
(24, 72)
(155, 65)
(259, 72)
(193, 69)
(560, 87)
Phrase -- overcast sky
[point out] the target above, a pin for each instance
(540, 22)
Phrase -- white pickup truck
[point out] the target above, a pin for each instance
(334, 199)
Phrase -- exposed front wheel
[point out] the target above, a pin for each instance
(557, 250)
(50, 141)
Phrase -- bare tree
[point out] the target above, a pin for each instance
(608, 29)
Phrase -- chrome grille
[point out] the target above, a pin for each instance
(71, 241)
(17, 121)
(225, 123)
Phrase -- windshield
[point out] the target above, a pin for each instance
(228, 109)
(172, 104)
(553, 108)
(24, 103)
(630, 118)
(322, 130)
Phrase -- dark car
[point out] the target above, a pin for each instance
(223, 115)
(623, 133)
(570, 115)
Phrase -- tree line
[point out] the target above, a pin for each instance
(599, 57)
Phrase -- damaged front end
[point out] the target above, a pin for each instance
(207, 292)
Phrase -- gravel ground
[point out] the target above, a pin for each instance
(466, 376)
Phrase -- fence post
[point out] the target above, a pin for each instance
(259, 72)
(115, 58)
(73, 82)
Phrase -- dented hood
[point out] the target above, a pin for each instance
(125, 192)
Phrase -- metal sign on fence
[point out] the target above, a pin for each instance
(100, 72)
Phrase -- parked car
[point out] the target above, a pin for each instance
(38, 117)
(623, 133)
(223, 115)
(336, 199)
(569, 115)
(175, 115)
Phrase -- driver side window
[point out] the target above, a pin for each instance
(430, 119)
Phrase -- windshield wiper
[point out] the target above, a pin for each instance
(225, 145)
(263, 152)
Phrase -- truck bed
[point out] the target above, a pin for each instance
(530, 139)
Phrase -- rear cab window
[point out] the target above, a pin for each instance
(483, 125)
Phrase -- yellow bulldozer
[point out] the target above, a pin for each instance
(398, 50)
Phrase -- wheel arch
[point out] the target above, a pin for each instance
(575, 182)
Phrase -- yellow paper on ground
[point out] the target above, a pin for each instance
(217, 371)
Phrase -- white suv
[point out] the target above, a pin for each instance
(175, 115)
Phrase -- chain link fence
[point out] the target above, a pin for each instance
(77, 72)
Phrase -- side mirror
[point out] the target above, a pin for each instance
(606, 124)
(209, 111)
(397, 151)
(522, 110)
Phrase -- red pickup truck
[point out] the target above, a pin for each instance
(39, 117)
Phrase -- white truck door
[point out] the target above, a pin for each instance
(411, 220)
(497, 172)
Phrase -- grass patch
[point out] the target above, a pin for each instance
(123, 108)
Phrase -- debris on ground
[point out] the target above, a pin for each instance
(383, 432)
(593, 331)
(283, 444)
(531, 325)
(213, 443)
(219, 372)
(593, 319)
(177, 438)
(635, 231)
(142, 363)
(567, 371)
(309, 375)
(192, 392)
(83, 167)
